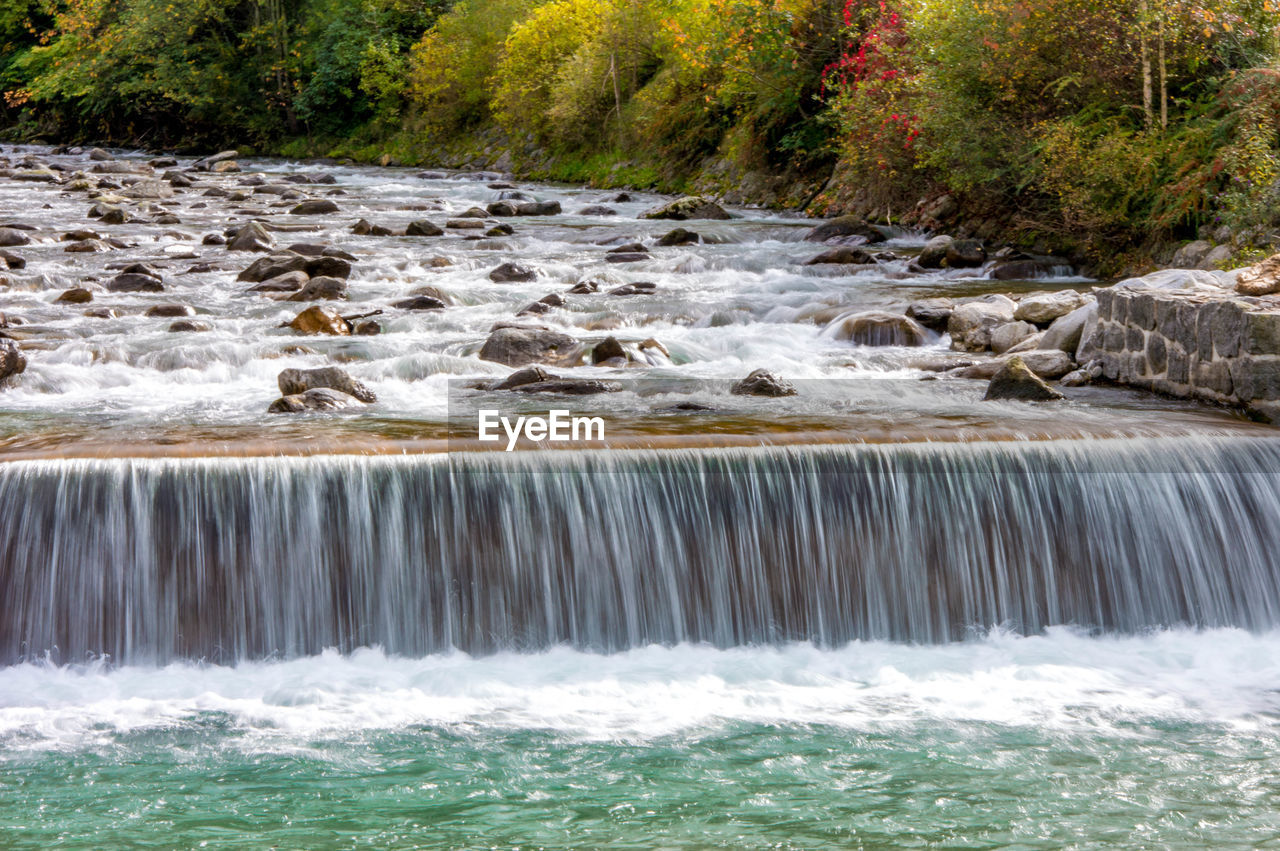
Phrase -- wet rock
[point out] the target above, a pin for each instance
(101, 313)
(122, 168)
(115, 216)
(273, 266)
(423, 228)
(250, 237)
(524, 345)
(87, 246)
(512, 273)
(629, 248)
(328, 266)
(465, 224)
(1043, 309)
(294, 382)
(148, 190)
(167, 219)
(845, 228)
(689, 207)
(316, 399)
(934, 253)
(1260, 279)
(213, 239)
(538, 208)
(932, 313)
(500, 230)
(432, 175)
(880, 328)
(1046, 364)
(1027, 268)
(100, 156)
(320, 288)
(208, 162)
(502, 209)
(1016, 382)
(528, 375)
(1004, 337)
(679, 236)
(627, 257)
(12, 361)
(289, 282)
(368, 328)
(315, 207)
(638, 288)
(1030, 344)
(12, 238)
(965, 254)
(844, 255)
(421, 302)
(189, 326)
(569, 386)
(597, 211)
(225, 167)
(584, 288)
(1078, 378)
(169, 311)
(12, 261)
(1191, 255)
(606, 350)
(761, 382)
(364, 227)
(134, 282)
(178, 180)
(75, 295)
(320, 320)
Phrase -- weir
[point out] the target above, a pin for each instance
(229, 559)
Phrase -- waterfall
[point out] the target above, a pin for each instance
(226, 559)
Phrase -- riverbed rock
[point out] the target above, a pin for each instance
(597, 210)
(512, 273)
(761, 382)
(606, 350)
(12, 361)
(502, 209)
(538, 208)
(1260, 279)
(1046, 364)
(843, 255)
(688, 207)
(932, 313)
(636, 288)
(169, 311)
(316, 399)
(273, 266)
(1191, 255)
(524, 345)
(965, 254)
(75, 295)
(12, 238)
(288, 282)
(569, 386)
(1045, 308)
(528, 375)
(934, 253)
(419, 302)
(1016, 382)
(189, 326)
(250, 237)
(100, 156)
(321, 320)
(1009, 334)
(328, 265)
(122, 167)
(679, 236)
(320, 288)
(148, 190)
(208, 162)
(135, 282)
(845, 228)
(880, 328)
(422, 227)
(315, 207)
(294, 382)
(970, 323)
(1067, 332)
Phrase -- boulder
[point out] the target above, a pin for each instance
(845, 228)
(316, 207)
(12, 361)
(75, 295)
(134, 282)
(1027, 268)
(319, 288)
(225, 167)
(12, 238)
(500, 230)
(422, 227)
(115, 216)
(679, 236)
(502, 209)
(294, 382)
(965, 254)
(1067, 332)
(1045, 308)
(122, 168)
(597, 211)
(1191, 255)
(761, 382)
(1046, 364)
(1260, 279)
(638, 288)
(273, 266)
(569, 386)
(189, 326)
(524, 345)
(512, 273)
(932, 313)
(607, 349)
(420, 302)
(316, 399)
(250, 237)
(328, 266)
(207, 163)
(289, 282)
(843, 255)
(528, 375)
(320, 320)
(934, 253)
(1005, 337)
(538, 208)
(148, 190)
(689, 207)
(169, 311)
(100, 156)
(1016, 382)
(970, 323)
(880, 328)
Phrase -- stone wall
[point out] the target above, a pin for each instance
(1195, 343)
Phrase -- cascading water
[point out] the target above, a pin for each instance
(235, 559)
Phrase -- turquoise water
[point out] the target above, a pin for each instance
(1064, 740)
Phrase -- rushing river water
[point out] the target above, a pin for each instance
(928, 621)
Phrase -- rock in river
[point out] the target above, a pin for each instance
(761, 382)
(297, 381)
(12, 361)
(321, 320)
(689, 207)
(517, 345)
(512, 273)
(316, 399)
(1016, 382)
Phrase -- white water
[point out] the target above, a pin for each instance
(1062, 682)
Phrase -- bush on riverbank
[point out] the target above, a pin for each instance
(1103, 124)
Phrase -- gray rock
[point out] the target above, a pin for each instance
(189, 325)
(1044, 308)
(1191, 255)
(297, 381)
(132, 282)
(763, 383)
(512, 273)
(419, 302)
(12, 238)
(317, 399)
(844, 255)
(321, 287)
(1004, 337)
(1066, 332)
(423, 228)
(1016, 382)
(316, 207)
(12, 361)
(288, 282)
(250, 237)
(932, 313)
(934, 253)
(169, 311)
(688, 207)
(606, 350)
(679, 236)
(965, 254)
(525, 345)
(845, 228)
(538, 208)
(880, 328)
(273, 266)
